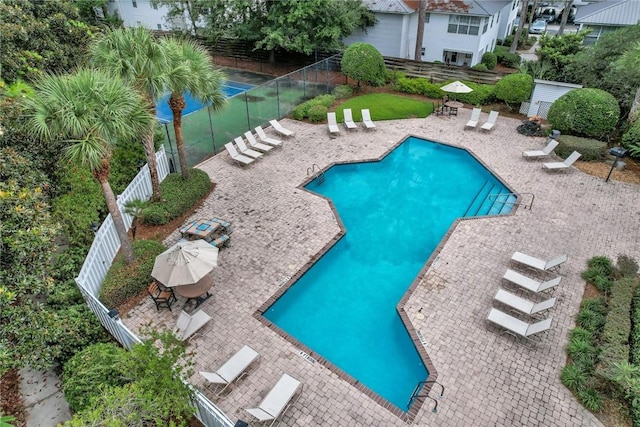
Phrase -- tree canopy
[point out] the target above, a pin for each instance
(39, 36)
(363, 63)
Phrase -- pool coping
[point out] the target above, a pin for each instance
(414, 333)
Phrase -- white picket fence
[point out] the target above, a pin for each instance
(103, 250)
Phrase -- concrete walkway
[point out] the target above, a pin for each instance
(490, 380)
(44, 402)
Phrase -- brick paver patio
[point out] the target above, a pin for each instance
(489, 379)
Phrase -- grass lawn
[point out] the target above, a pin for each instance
(384, 106)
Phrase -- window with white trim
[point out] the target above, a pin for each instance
(427, 16)
(464, 25)
(135, 3)
(485, 22)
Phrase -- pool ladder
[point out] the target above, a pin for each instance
(419, 387)
(318, 174)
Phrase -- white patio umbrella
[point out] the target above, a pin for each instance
(185, 263)
(456, 87)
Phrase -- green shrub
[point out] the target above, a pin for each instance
(419, 86)
(342, 91)
(480, 67)
(628, 376)
(511, 60)
(631, 139)
(602, 264)
(634, 337)
(178, 197)
(490, 60)
(626, 266)
(393, 76)
(579, 333)
(582, 353)
(585, 112)
(573, 377)
(591, 149)
(87, 373)
(125, 281)
(590, 399)
(363, 63)
(482, 94)
(514, 88)
(590, 320)
(614, 341)
(302, 110)
(76, 328)
(317, 113)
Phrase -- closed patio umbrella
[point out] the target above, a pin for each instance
(185, 263)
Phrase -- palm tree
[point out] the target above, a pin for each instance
(135, 56)
(91, 110)
(192, 71)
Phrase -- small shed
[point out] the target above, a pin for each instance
(544, 94)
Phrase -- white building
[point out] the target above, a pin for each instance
(606, 16)
(141, 13)
(454, 35)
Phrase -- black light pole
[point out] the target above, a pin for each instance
(619, 152)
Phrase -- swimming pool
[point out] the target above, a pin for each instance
(163, 112)
(395, 212)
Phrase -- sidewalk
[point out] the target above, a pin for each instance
(43, 399)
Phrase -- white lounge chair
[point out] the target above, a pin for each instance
(239, 158)
(280, 129)
(233, 369)
(366, 119)
(276, 402)
(242, 147)
(491, 121)
(517, 326)
(267, 139)
(541, 153)
(521, 304)
(539, 264)
(333, 123)
(187, 324)
(474, 119)
(257, 145)
(530, 284)
(348, 119)
(566, 164)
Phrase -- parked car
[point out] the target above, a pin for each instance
(538, 27)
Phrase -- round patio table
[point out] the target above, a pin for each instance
(199, 291)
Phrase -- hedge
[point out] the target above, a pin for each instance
(614, 341)
(490, 60)
(178, 197)
(482, 94)
(585, 112)
(591, 149)
(514, 88)
(634, 342)
(126, 281)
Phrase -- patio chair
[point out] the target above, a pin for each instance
(237, 157)
(348, 119)
(366, 119)
(276, 402)
(518, 327)
(223, 241)
(246, 150)
(541, 153)
(566, 164)
(530, 284)
(280, 129)
(187, 324)
(521, 304)
(491, 121)
(257, 145)
(267, 139)
(475, 118)
(333, 124)
(162, 297)
(539, 264)
(233, 369)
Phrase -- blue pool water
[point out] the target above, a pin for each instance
(163, 112)
(396, 212)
